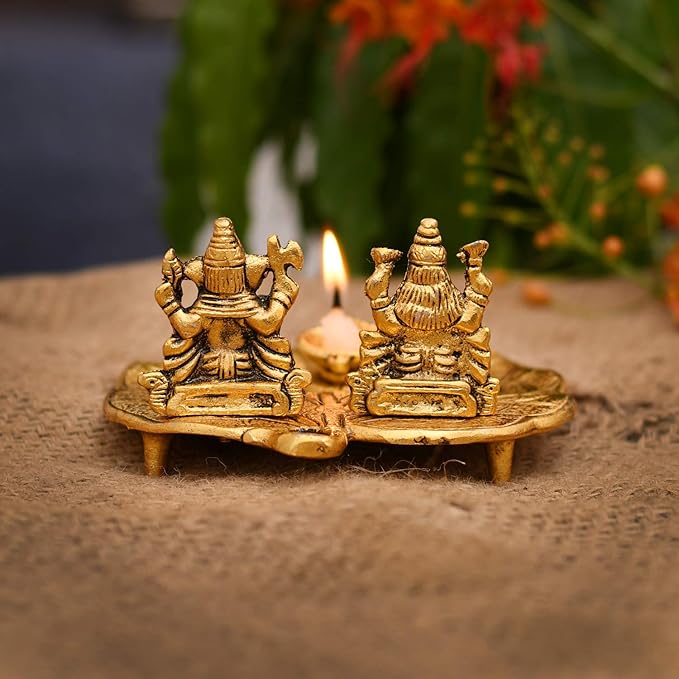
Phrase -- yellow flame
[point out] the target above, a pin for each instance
(334, 267)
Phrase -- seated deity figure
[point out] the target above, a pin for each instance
(430, 354)
(226, 356)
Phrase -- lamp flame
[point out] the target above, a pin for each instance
(334, 266)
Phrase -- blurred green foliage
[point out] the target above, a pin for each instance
(606, 106)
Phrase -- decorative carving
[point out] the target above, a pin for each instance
(429, 356)
(532, 401)
(226, 356)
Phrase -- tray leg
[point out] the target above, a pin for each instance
(436, 456)
(500, 455)
(156, 448)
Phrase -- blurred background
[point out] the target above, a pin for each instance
(549, 127)
(83, 96)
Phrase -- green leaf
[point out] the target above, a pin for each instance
(658, 134)
(183, 213)
(215, 105)
(293, 53)
(574, 64)
(447, 115)
(351, 123)
(632, 24)
(601, 34)
(651, 27)
(665, 18)
(228, 65)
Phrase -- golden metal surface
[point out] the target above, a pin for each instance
(429, 355)
(500, 457)
(532, 401)
(226, 356)
(156, 450)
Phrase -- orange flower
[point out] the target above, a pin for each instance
(542, 239)
(612, 247)
(512, 61)
(495, 25)
(370, 16)
(559, 233)
(652, 181)
(492, 24)
(597, 211)
(367, 20)
(420, 21)
(670, 213)
(423, 23)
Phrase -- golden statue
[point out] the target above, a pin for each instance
(226, 356)
(430, 355)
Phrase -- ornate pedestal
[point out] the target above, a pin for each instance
(432, 398)
(242, 399)
(532, 401)
(422, 377)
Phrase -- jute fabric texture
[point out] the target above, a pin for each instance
(387, 563)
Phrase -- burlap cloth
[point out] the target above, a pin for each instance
(245, 563)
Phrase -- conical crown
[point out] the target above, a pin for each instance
(224, 293)
(426, 248)
(224, 260)
(427, 298)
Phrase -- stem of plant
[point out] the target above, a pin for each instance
(608, 42)
(577, 240)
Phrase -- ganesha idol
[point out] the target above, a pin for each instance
(430, 354)
(225, 355)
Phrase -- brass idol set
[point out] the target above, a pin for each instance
(423, 376)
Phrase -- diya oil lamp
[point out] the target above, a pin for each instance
(331, 348)
(424, 374)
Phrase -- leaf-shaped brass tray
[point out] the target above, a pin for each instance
(531, 401)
